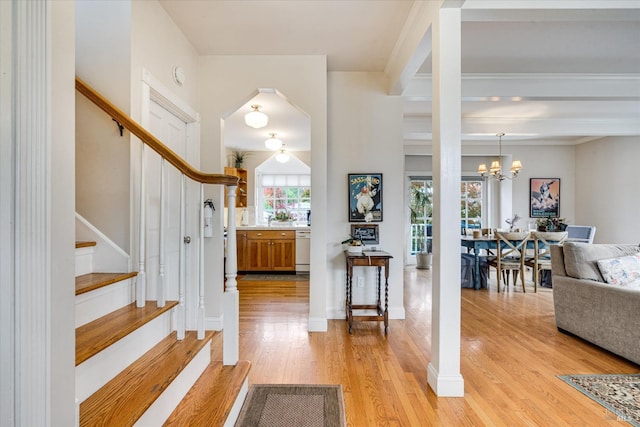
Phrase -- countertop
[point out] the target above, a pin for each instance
(275, 227)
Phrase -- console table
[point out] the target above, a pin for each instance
(377, 259)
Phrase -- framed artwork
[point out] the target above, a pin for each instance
(367, 233)
(544, 197)
(365, 197)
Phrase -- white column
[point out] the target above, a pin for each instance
(231, 300)
(443, 373)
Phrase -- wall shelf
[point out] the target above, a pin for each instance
(241, 191)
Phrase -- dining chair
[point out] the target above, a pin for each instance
(511, 248)
(541, 259)
(581, 233)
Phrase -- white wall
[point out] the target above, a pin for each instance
(157, 45)
(226, 81)
(365, 135)
(115, 42)
(103, 60)
(607, 188)
(597, 182)
(539, 161)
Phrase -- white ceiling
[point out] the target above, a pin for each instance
(541, 70)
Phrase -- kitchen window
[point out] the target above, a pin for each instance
(291, 192)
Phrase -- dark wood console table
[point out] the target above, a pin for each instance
(377, 259)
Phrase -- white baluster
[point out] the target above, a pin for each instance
(181, 279)
(231, 343)
(141, 277)
(200, 320)
(232, 254)
(161, 291)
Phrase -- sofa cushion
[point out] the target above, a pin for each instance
(580, 258)
(621, 270)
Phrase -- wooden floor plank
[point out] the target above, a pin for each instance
(511, 354)
(95, 336)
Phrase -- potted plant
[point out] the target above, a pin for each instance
(551, 224)
(238, 158)
(354, 245)
(420, 204)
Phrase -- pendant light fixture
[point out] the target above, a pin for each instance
(495, 171)
(273, 143)
(256, 118)
(282, 156)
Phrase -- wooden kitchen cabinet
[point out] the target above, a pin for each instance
(269, 250)
(241, 191)
(241, 246)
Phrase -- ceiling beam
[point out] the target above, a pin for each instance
(412, 47)
(494, 87)
(479, 128)
(555, 5)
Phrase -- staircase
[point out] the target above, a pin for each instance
(130, 367)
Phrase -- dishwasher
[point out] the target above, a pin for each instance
(303, 249)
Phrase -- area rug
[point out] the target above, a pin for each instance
(288, 405)
(277, 277)
(619, 394)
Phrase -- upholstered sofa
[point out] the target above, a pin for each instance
(605, 314)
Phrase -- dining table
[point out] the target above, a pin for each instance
(477, 244)
(484, 242)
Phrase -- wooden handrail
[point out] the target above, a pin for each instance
(152, 141)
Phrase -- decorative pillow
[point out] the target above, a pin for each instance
(620, 271)
(580, 258)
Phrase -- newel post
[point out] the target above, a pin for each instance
(231, 299)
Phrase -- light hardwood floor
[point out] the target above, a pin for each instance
(511, 354)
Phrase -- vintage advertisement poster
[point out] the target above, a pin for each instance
(365, 197)
(544, 197)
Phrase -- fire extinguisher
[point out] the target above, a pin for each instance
(208, 218)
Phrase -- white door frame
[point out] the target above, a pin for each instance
(153, 90)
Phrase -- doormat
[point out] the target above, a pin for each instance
(275, 277)
(619, 394)
(287, 405)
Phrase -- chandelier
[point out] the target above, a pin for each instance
(256, 118)
(273, 143)
(495, 171)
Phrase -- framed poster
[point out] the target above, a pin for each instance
(544, 197)
(367, 233)
(365, 197)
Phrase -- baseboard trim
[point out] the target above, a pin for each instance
(318, 324)
(445, 385)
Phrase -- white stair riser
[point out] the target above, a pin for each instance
(98, 370)
(84, 260)
(100, 302)
(237, 405)
(162, 408)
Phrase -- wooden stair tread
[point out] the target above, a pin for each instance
(95, 336)
(84, 244)
(92, 281)
(124, 399)
(210, 400)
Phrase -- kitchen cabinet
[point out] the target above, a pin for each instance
(241, 246)
(267, 250)
(241, 190)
